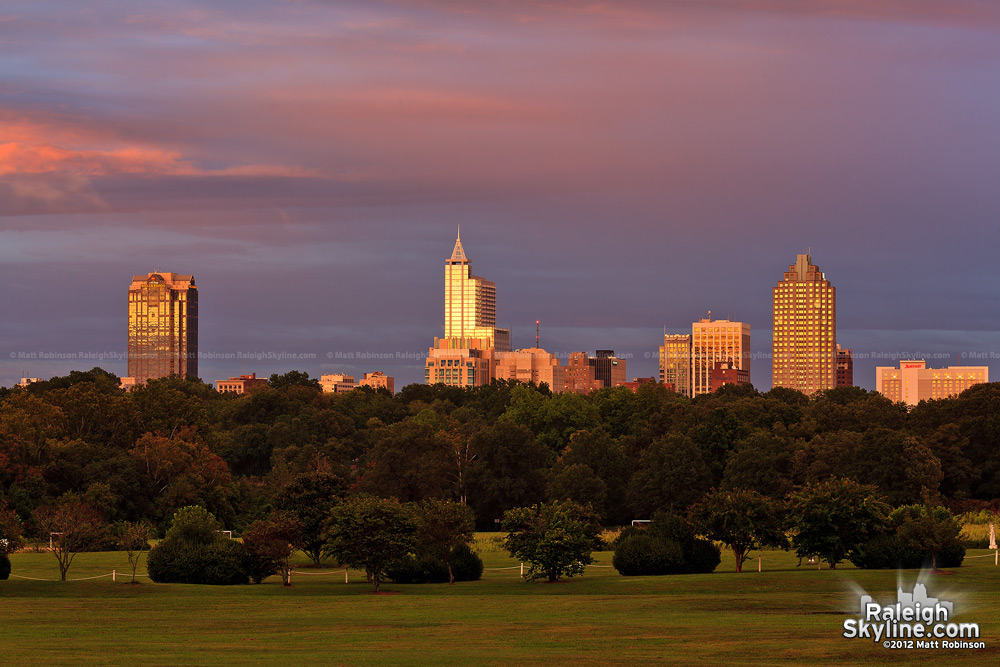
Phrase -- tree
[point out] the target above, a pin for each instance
(742, 519)
(311, 496)
(370, 533)
(671, 475)
(442, 525)
(507, 471)
(927, 528)
(133, 538)
(833, 518)
(74, 526)
(293, 379)
(409, 461)
(269, 543)
(555, 539)
(11, 530)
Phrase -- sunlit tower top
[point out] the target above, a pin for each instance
(162, 326)
(470, 303)
(804, 351)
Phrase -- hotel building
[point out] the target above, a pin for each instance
(713, 341)
(162, 327)
(913, 382)
(804, 348)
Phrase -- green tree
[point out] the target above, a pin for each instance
(743, 520)
(370, 533)
(555, 539)
(927, 528)
(74, 526)
(269, 543)
(293, 379)
(193, 525)
(442, 525)
(11, 530)
(508, 470)
(410, 461)
(833, 518)
(670, 475)
(311, 496)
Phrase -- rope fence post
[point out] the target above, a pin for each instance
(113, 576)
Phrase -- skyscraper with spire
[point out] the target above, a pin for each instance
(470, 302)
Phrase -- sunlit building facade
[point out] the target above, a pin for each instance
(531, 365)
(913, 382)
(675, 362)
(459, 362)
(470, 303)
(579, 375)
(378, 380)
(804, 348)
(713, 341)
(845, 367)
(240, 384)
(162, 326)
(337, 383)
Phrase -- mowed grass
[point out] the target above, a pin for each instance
(785, 614)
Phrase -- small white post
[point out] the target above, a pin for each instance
(112, 576)
(819, 564)
(996, 557)
(759, 564)
(345, 575)
(522, 570)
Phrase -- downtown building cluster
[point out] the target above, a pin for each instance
(806, 355)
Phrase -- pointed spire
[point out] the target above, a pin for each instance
(458, 254)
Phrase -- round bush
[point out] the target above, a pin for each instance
(645, 554)
(886, 551)
(423, 570)
(951, 557)
(219, 563)
(466, 564)
(701, 557)
(4, 566)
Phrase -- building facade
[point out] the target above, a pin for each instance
(378, 380)
(609, 370)
(913, 382)
(470, 303)
(531, 365)
(162, 326)
(240, 384)
(845, 367)
(804, 348)
(579, 376)
(675, 362)
(726, 373)
(459, 362)
(337, 383)
(713, 341)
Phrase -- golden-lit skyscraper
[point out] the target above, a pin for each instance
(470, 303)
(675, 362)
(713, 341)
(162, 326)
(804, 351)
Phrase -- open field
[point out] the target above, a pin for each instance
(785, 614)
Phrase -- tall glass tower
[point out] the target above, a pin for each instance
(470, 303)
(804, 351)
(162, 326)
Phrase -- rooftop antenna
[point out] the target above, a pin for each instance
(537, 336)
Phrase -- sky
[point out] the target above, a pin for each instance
(617, 168)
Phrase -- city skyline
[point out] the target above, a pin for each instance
(617, 170)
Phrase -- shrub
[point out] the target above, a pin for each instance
(4, 566)
(646, 554)
(219, 563)
(951, 556)
(466, 565)
(886, 551)
(701, 557)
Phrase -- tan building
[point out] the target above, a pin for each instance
(579, 375)
(378, 380)
(337, 383)
(531, 365)
(804, 348)
(26, 381)
(913, 382)
(675, 362)
(459, 362)
(470, 303)
(162, 326)
(713, 341)
(240, 384)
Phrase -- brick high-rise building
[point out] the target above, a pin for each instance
(804, 351)
(470, 303)
(162, 326)
(713, 341)
(845, 367)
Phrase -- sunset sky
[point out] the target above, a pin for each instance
(616, 167)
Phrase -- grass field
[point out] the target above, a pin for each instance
(786, 614)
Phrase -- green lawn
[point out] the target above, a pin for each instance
(786, 614)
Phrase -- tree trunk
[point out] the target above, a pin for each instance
(451, 575)
(739, 560)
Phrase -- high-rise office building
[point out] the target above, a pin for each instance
(713, 341)
(162, 326)
(470, 303)
(804, 351)
(845, 367)
(675, 362)
(608, 369)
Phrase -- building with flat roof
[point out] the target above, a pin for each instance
(675, 362)
(845, 367)
(608, 369)
(459, 362)
(579, 376)
(804, 348)
(531, 364)
(240, 384)
(378, 380)
(162, 326)
(713, 341)
(913, 382)
(725, 373)
(337, 383)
